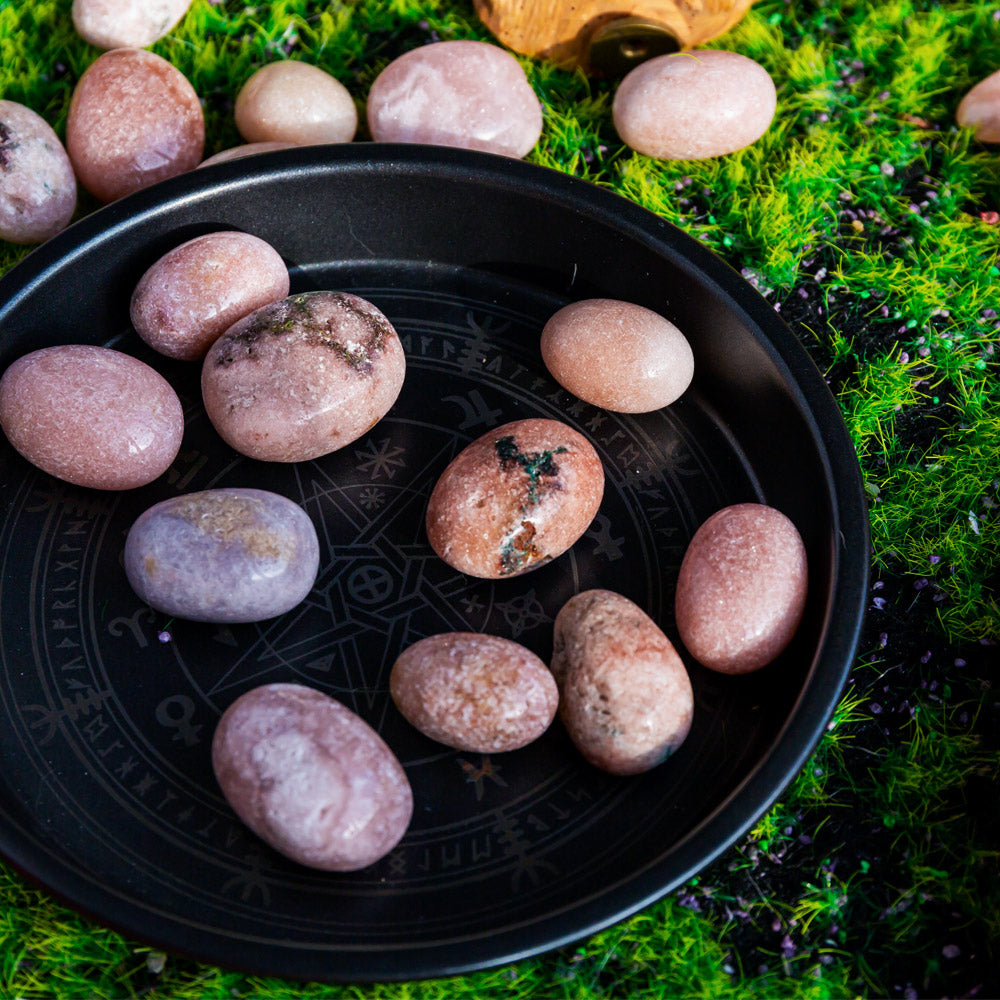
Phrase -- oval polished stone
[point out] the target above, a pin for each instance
(694, 105)
(303, 376)
(979, 109)
(116, 24)
(246, 149)
(293, 101)
(223, 556)
(741, 589)
(515, 498)
(459, 93)
(91, 416)
(617, 355)
(473, 692)
(195, 292)
(133, 120)
(311, 778)
(625, 696)
(37, 184)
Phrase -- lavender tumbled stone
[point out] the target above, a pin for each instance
(224, 555)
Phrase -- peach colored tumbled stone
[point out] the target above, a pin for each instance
(91, 416)
(247, 149)
(293, 101)
(37, 186)
(460, 93)
(116, 24)
(134, 120)
(617, 355)
(741, 589)
(303, 376)
(980, 109)
(694, 105)
(194, 293)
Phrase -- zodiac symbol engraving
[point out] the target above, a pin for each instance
(176, 712)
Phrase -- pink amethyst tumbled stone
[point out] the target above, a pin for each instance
(116, 24)
(133, 120)
(37, 186)
(979, 109)
(460, 93)
(224, 556)
(195, 292)
(91, 416)
(245, 149)
(694, 105)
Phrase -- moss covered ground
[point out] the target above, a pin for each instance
(870, 221)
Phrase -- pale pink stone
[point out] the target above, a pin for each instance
(134, 120)
(477, 693)
(247, 149)
(617, 355)
(303, 376)
(92, 416)
(742, 588)
(116, 24)
(462, 93)
(980, 109)
(37, 186)
(194, 293)
(311, 778)
(295, 102)
(694, 105)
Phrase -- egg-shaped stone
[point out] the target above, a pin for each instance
(91, 416)
(133, 120)
(37, 184)
(116, 24)
(223, 555)
(625, 696)
(195, 292)
(311, 778)
(292, 101)
(473, 692)
(694, 105)
(457, 93)
(246, 149)
(979, 109)
(303, 376)
(742, 587)
(515, 498)
(617, 355)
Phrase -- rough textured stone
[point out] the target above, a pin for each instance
(311, 778)
(979, 109)
(293, 101)
(133, 120)
(473, 692)
(116, 24)
(92, 416)
(461, 93)
(37, 185)
(694, 105)
(247, 149)
(617, 355)
(225, 555)
(741, 589)
(196, 291)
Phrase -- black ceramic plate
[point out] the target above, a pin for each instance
(106, 790)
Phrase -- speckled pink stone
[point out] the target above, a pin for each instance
(133, 120)
(617, 355)
(37, 186)
(92, 416)
(980, 109)
(477, 693)
(247, 149)
(741, 589)
(694, 105)
(303, 376)
(461, 93)
(293, 101)
(194, 293)
(116, 24)
(311, 778)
